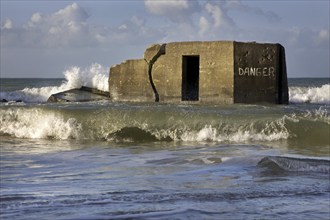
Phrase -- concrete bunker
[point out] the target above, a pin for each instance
(218, 72)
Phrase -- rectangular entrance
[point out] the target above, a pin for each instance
(190, 78)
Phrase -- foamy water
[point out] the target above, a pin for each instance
(114, 160)
(38, 123)
(94, 76)
(45, 122)
(318, 95)
(119, 123)
(41, 123)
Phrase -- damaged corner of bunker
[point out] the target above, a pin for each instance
(216, 72)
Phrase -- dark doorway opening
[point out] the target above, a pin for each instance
(190, 78)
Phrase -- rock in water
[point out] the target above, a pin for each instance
(84, 94)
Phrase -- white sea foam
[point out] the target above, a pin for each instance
(242, 134)
(35, 123)
(270, 131)
(319, 95)
(95, 76)
(43, 123)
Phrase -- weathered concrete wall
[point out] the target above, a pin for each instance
(259, 74)
(204, 72)
(128, 81)
(215, 71)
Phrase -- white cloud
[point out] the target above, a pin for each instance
(219, 16)
(239, 6)
(216, 14)
(190, 20)
(306, 38)
(69, 27)
(134, 31)
(194, 20)
(36, 17)
(322, 38)
(165, 7)
(8, 24)
(324, 34)
(214, 22)
(71, 13)
(203, 26)
(176, 10)
(64, 28)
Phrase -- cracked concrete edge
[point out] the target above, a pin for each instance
(151, 57)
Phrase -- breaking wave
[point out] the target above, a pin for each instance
(150, 125)
(94, 76)
(36, 123)
(290, 164)
(317, 95)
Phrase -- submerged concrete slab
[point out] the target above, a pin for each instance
(83, 94)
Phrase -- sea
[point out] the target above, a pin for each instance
(119, 160)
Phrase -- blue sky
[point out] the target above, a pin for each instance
(43, 38)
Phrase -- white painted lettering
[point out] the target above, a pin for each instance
(252, 71)
(272, 71)
(265, 71)
(246, 72)
(257, 71)
(240, 71)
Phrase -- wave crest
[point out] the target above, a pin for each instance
(46, 123)
(288, 164)
(36, 123)
(94, 76)
(270, 131)
(121, 123)
(317, 95)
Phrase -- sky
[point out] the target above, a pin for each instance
(44, 38)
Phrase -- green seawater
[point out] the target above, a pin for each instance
(104, 160)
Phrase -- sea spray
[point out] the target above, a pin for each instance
(319, 95)
(241, 132)
(38, 123)
(94, 76)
